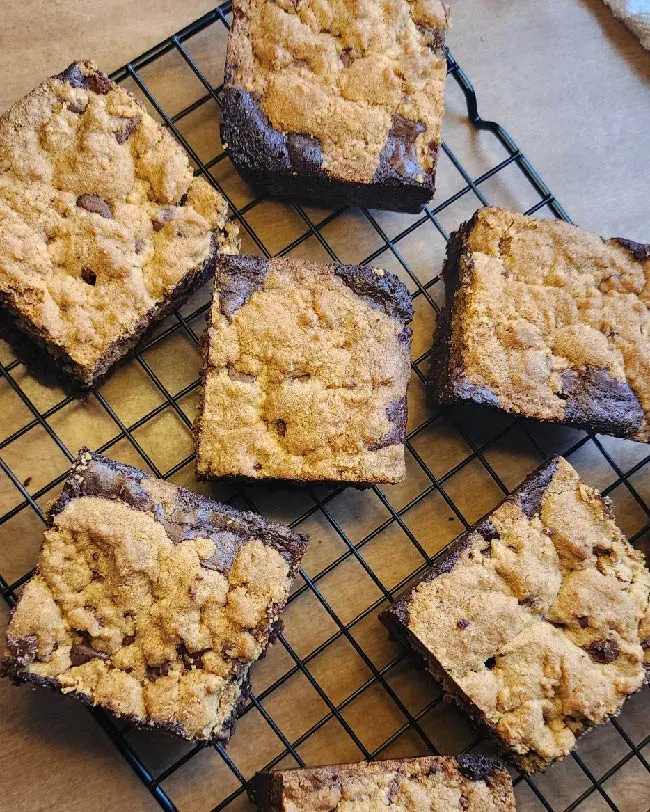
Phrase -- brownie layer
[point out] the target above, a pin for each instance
(305, 373)
(103, 228)
(334, 107)
(150, 600)
(473, 783)
(545, 320)
(537, 619)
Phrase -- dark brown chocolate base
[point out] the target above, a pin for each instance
(84, 376)
(595, 401)
(289, 166)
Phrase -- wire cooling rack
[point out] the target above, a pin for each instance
(333, 688)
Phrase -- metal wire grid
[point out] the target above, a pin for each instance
(472, 187)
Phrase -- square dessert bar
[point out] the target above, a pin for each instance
(473, 783)
(337, 102)
(103, 228)
(150, 600)
(536, 620)
(548, 321)
(305, 373)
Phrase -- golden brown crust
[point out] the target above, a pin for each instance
(305, 374)
(150, 601)
(549, 321)
(537, 621)
(439, 784)
(101, 222)
(346, 76)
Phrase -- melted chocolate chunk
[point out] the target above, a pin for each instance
(81, 653)
(99, 83)
(346, 57)
(72, 76)
(23, 649)
(155, 671)
(603, 651)
(399, 155)
(462, 624)
(95, 205)
(130, 126)
(88, 275)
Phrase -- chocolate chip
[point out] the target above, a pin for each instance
(191, 658)
(95, 205)
(462, 624)
(139, 246)
(130, 126)
(487, 530)
(99, 83)
(76, 107)
(23, 649)
(463, 803)
(490, 663)
(163, 216)
(88, 275)
(645, 644)
(236, 375)
(27, 481)
(155, 671)
(346, 57)
(603, 651)
(583, 621)
(81, 653)
(257, 466)
(128, 640)
(72, 76)
(281, 427)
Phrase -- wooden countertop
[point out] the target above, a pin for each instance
(566, 79)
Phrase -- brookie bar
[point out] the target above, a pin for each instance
(536, 620)
(305, 373)
(548, 321)
(337, 102)
(150, 600)
(103, 228)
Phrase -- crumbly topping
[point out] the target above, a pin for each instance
(341, 72)
(434, 784)
(540, 300)
(100, 216)
(540, 622)
(145, 626)
(304, 381)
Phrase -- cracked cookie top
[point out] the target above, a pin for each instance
(150, 600)
(540, 616)
(553, 322)
(305, 373)
(364, 78)
(100, 216)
